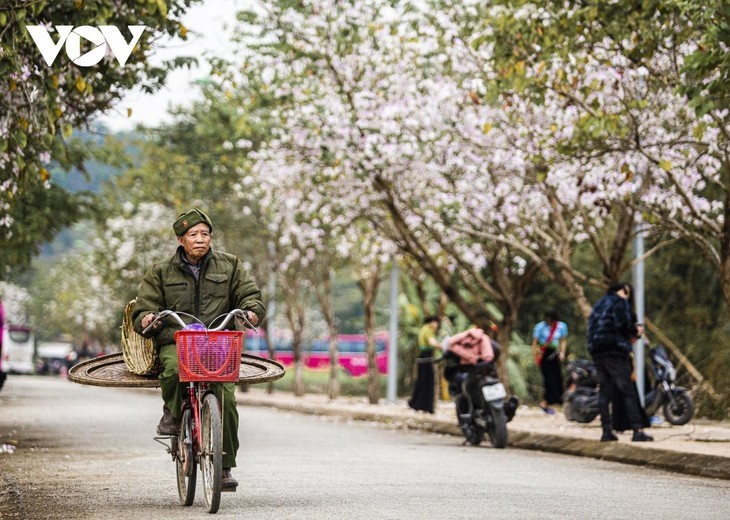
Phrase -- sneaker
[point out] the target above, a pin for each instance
(640, 436)
(168, 424)
(548, 410)
(655, 420)
(228, 482)
(608, 436)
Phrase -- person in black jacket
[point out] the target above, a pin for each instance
(610, 332)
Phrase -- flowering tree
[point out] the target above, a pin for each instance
(13, 303)
(41, 104)
(74, 300)
(374, 112)
(128, 243)
(370, 254)
(84, 293)
(658, 107)
(488, 142)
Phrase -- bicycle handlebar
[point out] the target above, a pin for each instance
(238, 313)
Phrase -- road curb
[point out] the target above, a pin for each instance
(679, 462)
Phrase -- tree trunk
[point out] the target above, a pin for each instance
(575, 289)
(294, 310)
(323, 288)
(333, 389)
(686, 363)
(368, 284)
(271, 350)
(298, 387)
(327, 304)
(503, 338)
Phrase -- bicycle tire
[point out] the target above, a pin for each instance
(211, 459)
(187, 470)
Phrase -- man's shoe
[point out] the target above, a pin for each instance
(168, 424)
(228, 482)
(641, 437)
(608, 436)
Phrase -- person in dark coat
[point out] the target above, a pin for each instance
(611, 329)
(619, 416)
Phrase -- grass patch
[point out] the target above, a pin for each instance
(317, 381)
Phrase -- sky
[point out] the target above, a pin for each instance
(209, 25)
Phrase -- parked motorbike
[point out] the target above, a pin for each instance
(675, 401)
(480, 404)
(580, 402)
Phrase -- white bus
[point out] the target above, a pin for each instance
(17, 348)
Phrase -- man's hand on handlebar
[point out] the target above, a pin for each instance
(250, 316)
(149, 318)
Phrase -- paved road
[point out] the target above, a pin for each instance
(87, 453)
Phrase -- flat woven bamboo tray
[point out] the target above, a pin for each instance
(111, 370)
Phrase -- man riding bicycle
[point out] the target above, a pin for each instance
(206, 283)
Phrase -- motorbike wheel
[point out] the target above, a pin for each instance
(568, 410)
(498, 430)
(681, 410)
(581, 410)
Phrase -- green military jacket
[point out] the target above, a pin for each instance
(222, 285)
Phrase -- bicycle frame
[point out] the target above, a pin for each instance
(196, 391)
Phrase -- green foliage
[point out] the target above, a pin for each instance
(317, 381)
(714, 407)
(38, 213)
(42, 104)
(201, 159)
(519, 370)
(708, 68)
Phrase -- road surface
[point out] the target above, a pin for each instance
(87, 453)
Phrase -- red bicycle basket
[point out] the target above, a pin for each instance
(209, 356)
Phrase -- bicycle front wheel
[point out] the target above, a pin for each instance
(211, 459)
(187, 471)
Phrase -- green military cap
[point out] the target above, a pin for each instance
(189, 219)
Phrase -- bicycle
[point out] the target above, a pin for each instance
(205, 356)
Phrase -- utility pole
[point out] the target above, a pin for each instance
(639, 280)
(639, 302)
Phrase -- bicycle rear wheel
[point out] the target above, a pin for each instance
(187, 471)
(211, 459)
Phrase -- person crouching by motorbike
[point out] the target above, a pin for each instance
(468, 347)
(464, 351)
(610, 331)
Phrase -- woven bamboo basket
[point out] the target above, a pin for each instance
(139, 353)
